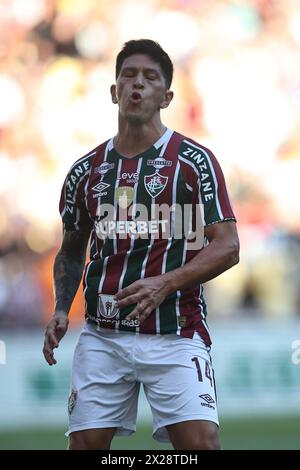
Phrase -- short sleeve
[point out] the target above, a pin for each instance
(205, 177)
(213, 191)
(72, 205)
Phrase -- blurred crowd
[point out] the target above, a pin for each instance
(237, 91)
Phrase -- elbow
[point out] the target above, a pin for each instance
(234, 253)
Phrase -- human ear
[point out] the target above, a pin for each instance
(167, 99)
(113, 93)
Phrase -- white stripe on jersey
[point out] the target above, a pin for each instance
(157, 323)
(115, 206)
(191, 164)
(86, 276)
(164, 140)
(188, 162)
(101, 282)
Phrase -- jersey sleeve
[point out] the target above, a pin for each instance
(72, 205)
(205, 169)
(213, 191)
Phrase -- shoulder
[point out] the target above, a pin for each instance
(193, 150)
(80, 170)
(196, 156)
(83, 164)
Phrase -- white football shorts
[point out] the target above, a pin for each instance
(109, 366)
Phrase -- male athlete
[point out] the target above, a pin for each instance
(145, 310)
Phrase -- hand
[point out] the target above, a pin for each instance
(147, 293)
(55, 330)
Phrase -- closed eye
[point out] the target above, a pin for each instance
(128, 72)
(151, 75)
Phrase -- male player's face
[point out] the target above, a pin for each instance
(140, 90)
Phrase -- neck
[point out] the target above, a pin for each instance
(133, 138)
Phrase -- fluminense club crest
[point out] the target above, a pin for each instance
(155, 184)
(72, 400)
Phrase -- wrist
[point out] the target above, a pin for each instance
(60, 312)
(170, 284)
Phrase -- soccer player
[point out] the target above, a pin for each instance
(137, 198)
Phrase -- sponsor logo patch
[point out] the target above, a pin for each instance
(107, 306)
(124, 196)
(130, 177)
(182, 321)
(104, 168)
(159, 163)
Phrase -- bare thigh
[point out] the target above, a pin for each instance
(91, 439)
(194, 435)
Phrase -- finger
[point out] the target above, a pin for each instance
(49, 355)
(137, 311)
(145, 314)
(51, 338)
(131, 299)
(126, 291)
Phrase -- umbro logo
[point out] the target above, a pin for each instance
(100, 189)
(207, 398)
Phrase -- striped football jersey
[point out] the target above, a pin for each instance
(126, 203)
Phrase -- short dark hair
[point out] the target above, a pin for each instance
(150, 48)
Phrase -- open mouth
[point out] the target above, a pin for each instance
(135, 96)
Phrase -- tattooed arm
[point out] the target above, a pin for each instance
(67, 274)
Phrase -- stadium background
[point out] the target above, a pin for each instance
(237, 91)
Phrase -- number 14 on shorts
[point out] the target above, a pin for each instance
(209, 374)
(207, 371)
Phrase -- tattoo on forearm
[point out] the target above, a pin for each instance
(68, 269)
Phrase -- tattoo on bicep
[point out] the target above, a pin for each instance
(68, 268)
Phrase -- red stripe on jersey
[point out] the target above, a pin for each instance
(192, 310)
